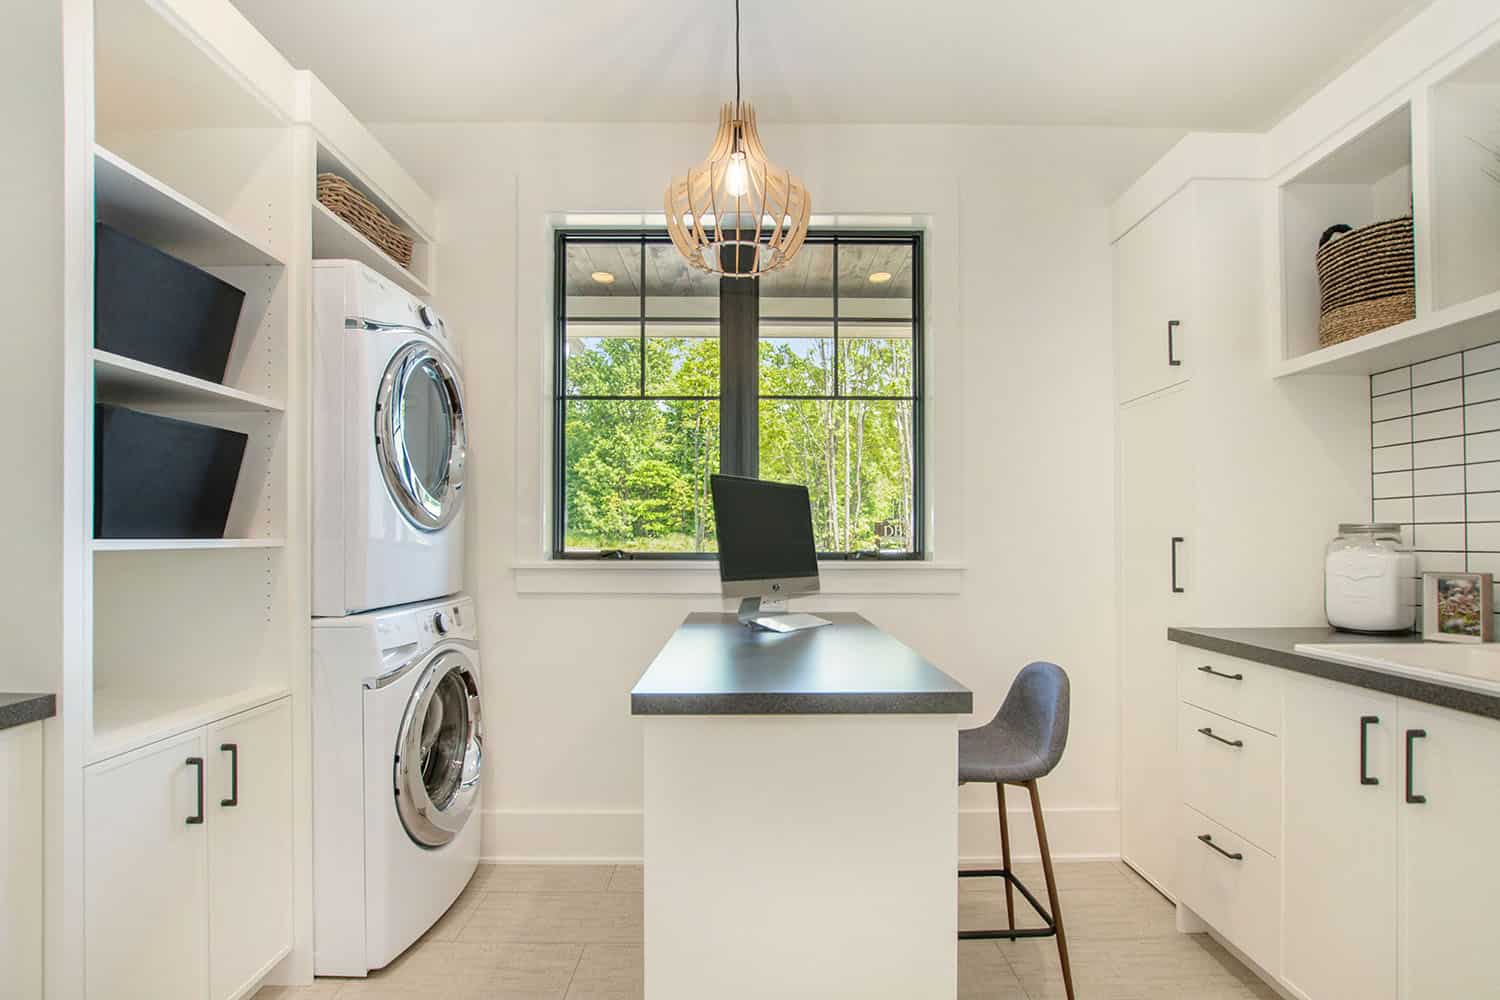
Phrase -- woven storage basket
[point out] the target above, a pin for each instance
(1367, 278)
(342, 199)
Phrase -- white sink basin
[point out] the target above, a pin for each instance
(1476, 668)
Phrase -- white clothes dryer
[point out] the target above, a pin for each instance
(389, 445)
(398, 755)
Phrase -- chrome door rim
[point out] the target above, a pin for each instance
(429, 823)
(423, 508)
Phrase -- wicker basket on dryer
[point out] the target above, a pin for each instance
(1367, 279)
(344, 200)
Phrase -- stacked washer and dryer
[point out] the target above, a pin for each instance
(397, 729)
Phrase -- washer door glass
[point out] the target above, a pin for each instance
(439, 751)
(420, 436)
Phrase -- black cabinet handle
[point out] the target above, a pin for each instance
(1231, 855)
(1412, 735)
(1172, 358)
(1206, 731)
(233, 749)
(197, 762)
(1175, 588)
(1365, 722)
(1206, 669)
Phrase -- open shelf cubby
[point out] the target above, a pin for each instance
(1465, 149)
(1367, 179)
(335, 239)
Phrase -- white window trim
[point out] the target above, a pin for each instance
(664, 577)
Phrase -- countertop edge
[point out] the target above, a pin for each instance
(20, 709)
(804, 704)
(1428, 692)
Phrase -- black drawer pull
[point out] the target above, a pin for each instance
(1231, 855)
(1176, 588)
(1172, 359)
(197, 762)
(1365, 722)
(1412, 735)
(1215, 736)
(233, 749)
(1205, 669)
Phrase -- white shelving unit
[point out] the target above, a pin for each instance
(335, 239)
(118, 379)
(139, 205)
(183, 544)
(1430, 154)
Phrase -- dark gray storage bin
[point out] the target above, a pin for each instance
(152, 307)
(155, 477)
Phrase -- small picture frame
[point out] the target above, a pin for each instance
(1458, 607)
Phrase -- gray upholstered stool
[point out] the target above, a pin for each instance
(1023, 742)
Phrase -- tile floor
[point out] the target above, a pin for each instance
(533, 932)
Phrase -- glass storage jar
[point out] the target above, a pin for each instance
(1369, 580)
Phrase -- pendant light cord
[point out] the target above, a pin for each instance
(736, 56)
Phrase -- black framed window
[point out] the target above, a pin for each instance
(665, 375)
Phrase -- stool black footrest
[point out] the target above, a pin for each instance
(1015, 934)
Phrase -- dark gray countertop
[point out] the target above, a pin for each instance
(19, 709)
(1274, 646)
(713, 665)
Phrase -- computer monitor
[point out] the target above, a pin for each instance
(766, 549)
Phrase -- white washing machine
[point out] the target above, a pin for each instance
(389, 444)
(398, 754)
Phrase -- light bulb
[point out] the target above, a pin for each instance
(737, 176)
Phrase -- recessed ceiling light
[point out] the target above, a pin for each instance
(880, 277)
(605, 278)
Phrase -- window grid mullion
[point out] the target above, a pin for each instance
(643, 317)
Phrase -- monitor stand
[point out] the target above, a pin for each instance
(751, 616)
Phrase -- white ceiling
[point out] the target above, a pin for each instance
(1205, 64)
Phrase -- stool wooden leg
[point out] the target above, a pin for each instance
(1041, 838)
(1010, 895)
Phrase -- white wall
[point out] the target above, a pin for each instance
(1022, 425)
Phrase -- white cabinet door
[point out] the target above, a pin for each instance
(250, 847)
(21, 853)
(1339, 852)
(146, 873)
(1449, 883)
(1156, 506)
(1153, 334)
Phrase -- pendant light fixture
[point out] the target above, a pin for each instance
(737, 214)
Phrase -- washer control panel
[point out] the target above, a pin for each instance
(421, 626)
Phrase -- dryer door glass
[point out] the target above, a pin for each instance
(421, 436)
(439, 750)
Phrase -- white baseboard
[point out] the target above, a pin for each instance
(535, 836)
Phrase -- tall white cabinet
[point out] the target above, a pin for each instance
(1208, 446)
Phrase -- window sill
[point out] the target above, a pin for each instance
(673, 577)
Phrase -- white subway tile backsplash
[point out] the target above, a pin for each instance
(1393, 484)
(1449, 366)
(1435, 433)
(1393, 511)
(1443, 423)
(1390, 432)
(1480, 417)
(1481, 387)
(1439, 396)
(1391, 459)
(1397, 404)
(1482, 447)
(1427, 482)
(1482, 358)
(1484, 537)
(1446, 451)
(1391, 381)
(1438, 510)
(1440, 537)
(1483, 507)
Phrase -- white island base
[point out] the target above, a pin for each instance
(801, 856)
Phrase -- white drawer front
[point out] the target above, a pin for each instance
(1236, 888)
(1232, 773)
(1237, 689)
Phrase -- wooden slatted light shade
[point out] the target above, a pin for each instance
(737, 214)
